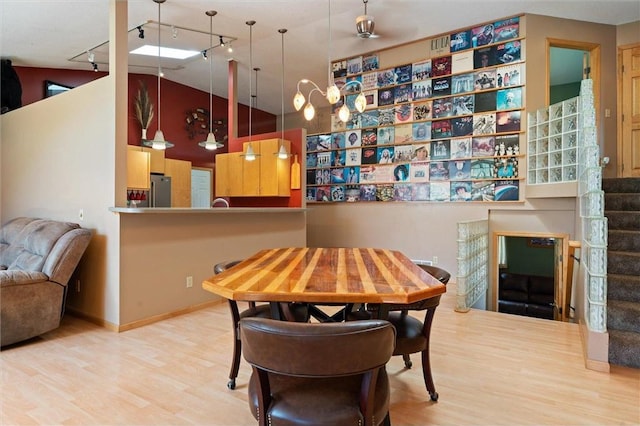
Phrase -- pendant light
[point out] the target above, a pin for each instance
(158, 141)
(211, 143)
(282, 152)
(333, 93)
(250, 155)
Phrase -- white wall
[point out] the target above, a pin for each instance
(58, 157)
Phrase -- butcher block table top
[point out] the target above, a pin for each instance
(326, 275)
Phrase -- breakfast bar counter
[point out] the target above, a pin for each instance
(167, 252)
(204, 210)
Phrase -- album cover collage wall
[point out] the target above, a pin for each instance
(446, 128)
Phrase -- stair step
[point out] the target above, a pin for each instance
(623, 262)
(624, 220)
(623, 287)
(624, 348)
(623, 315)
(623, 240)
(621, 185)
(622, 201)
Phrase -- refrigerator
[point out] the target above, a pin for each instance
(160, 192)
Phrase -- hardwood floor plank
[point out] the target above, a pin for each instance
(489, 369)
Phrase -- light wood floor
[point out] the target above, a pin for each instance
(489, 369)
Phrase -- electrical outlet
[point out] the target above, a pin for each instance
(81, 214)
(189, 281)
(78, 286)
(435, 260)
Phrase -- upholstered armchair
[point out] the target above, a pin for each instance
(37, 259)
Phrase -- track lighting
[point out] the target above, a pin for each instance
(174, 32)
(91, 57)
(204, 54)
(230, 48)
(95, 66)
(140, 31)
(221, 41)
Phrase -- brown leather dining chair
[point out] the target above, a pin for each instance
(262, 311)
(318, 373)
(413, 335)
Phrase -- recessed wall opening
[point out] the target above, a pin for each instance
(529, 276)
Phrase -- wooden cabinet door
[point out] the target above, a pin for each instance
(251, 171)
(275, 175)
(137, 168)
(222, 175)
(157, 159)
(180, 173)
(235, 169)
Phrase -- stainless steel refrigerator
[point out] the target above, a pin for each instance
(160, 192)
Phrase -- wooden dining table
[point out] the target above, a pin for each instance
(326, 276)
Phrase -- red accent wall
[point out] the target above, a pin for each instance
(176, 98)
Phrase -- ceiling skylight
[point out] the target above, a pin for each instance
(165, 52)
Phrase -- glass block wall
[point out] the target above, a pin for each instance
(594, 224)
(473, 261)
(552, 143)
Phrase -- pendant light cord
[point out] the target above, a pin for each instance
(282, 31)
(250, 23)
(330, 76)
(159, 69)
(211, 73)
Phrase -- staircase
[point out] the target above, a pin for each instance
(622, 209)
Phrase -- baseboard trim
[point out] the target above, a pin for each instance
(590, 364)
(142, 322)
(167, 315)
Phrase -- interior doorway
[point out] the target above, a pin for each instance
(568, 59)
(530, 274)
(201, 184)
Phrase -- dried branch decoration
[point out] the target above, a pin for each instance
(143, 106)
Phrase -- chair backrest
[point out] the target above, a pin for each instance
(439, 273)
(317, 350)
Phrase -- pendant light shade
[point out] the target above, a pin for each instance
(158, 141)
(210, 143)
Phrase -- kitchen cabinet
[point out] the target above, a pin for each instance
(266, 176)
(251, 171)
(157, 159)
(180, 173)
(275, 174)
(229, 174)
(138, 165)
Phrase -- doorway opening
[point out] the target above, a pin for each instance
(530, 274)
(568, 60)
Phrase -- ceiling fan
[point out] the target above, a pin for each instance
(365, 24)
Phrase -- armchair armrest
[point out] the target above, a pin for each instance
(15, 277)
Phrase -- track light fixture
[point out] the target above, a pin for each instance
(91, 57)
(204, 54)
(174, 32)
(95, 66)
(140, 31)
(230, 48)
(221, 41)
